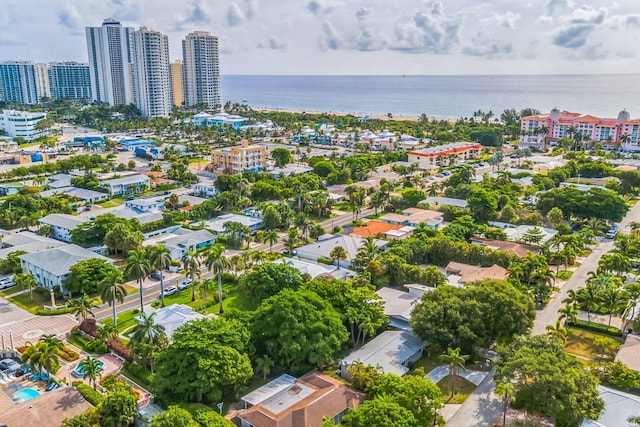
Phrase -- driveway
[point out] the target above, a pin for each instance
(10, 312)
(481, 408)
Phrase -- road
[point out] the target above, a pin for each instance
(549, 314)
(481, 408)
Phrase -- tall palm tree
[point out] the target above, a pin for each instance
(454, 361)
(147, 331)
(270, 237)
(568, 313)
(558, 331)
(82, 307)
(191, 265)
(506, 391)
(138, 268)
(218, 263)
(42, 355)
(264, 365)
(91, 369)
(633, 294)
(613, 299)
(160, 259)
(338, 253)
(112, 291)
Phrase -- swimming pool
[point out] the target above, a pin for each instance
(78, 371)
(26, 393)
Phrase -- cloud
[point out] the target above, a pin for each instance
(252, 8)
(320, 7)
(573, 37)
(362, 13)
(367, 39)
(588, 15)
(487, 47)
(273, 43)
(70, 18)
(235, 15)
(196, 15)
(552, 5)
(506, 20)
(330, 38)
(429, 31)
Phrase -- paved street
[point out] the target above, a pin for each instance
(11, 313)
(481, 408)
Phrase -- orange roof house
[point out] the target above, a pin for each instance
(374, 229)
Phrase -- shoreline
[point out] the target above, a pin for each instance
(375, 116)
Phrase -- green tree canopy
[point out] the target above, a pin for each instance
(281, 157)
(174, 416)
(266, 280)
(85, 276)
(595, 203)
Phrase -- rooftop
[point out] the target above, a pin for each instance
(314, 270)
(453, 148)
(374, 228)
(519, 249)
(58, 261)
(68, 222)
(472, 273)
(133, 179)
(447, 201)
(217, 224)
(629, 353)
(351, 244)
(80, 193)
(175, 315)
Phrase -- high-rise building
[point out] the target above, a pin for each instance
(109, 49)
(18, 82)
(151, 72)
(42, 80)
(70, 80)
(201, 69)
(177, 83)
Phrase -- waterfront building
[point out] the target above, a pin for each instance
(445, 155)
(42, 80)
(69, 80)
(233, 160)
(22, 124)
(177, 83)
(546, 129)
(201, 69)
(218, 119)
(18, 82)
(151, 72)
(109, 50)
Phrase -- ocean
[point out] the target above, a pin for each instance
(437, 96)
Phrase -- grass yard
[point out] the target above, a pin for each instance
(109, 203)
(462, 390)
(126, 320)
(31, 304)
(580, 343)
(10, 291)
(428, 361)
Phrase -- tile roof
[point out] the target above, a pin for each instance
(518, 249)
(374, 228)
(58, 261)
(351, 244)
(472, 273)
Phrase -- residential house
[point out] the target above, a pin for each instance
(445, 155)
(10, 189)
(59, 180)
(217, 224)
(629, 353)
(383, 229)
(518, 249)
(145, 205)
(28, 242)
(391, 351)
(414, 217)
(208, 191)
(181, 240)
(316, 270)
(325, 244)
(289, 170)
(458, 273)
(49, 409)
(398, 304)
(173, 316)
(220, 119)
(61, 225)
(446, 201)
(517, 233)
(126, 186)
(290, 402)
(51, 267)
(152, 215)
(618, 408)
(81, 194)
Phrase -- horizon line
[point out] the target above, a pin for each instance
(435, 75)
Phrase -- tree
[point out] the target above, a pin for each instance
(42, 355)
(614, 300)
(382, 411)
(568, 314)
(313, 338)
(454, 361)
(236, 234)
(191, 266)
(504, 390)
(147, 331)
(218, 263)
(555, 216)
(26, 282)
(119, 408)
(138, 268)
(266, 280)
(281, 157)
(605, 346)
(548, 380)
(218, 348)
(82, 307)
(558, 332)
(174, 416)
(482, 204)
(112, 291)
(270, 237)
(160, 259)
(85, 275)
(338, 254)
(91, 369)
(263, 366)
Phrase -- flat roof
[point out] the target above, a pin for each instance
(268, 390)
(63, 220)
(126, 180)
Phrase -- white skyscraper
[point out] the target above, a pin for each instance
(42, 80)
(201, 69)
(151, 72)
(109, 49)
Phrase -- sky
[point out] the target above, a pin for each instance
(352, 36)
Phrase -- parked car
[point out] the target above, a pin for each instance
(5, 284)
(169, 291)
(156, 275)
(612, 232)
(184, 285)
(10, 366)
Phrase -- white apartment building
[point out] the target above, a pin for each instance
(18, 82)
(42, 80)
(151, 71)
(61, 225)
(21, 124)
(201, 69)
(109, 50)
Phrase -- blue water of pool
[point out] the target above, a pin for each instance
(78, 371)
(26, 394)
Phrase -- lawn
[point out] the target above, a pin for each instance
(126, 319)
(31, 304)
(428, 361)
(462, 390)
(580, 343)
(10, 291)
(109, 203)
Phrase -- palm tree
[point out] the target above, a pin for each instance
(613, 299)
(338, 253)
(633, 293)
(160, 259)
(506, 391)
(218, 263)
(91, 369)
(82, 307)
(558, 331)
(138, 268)
(191, 265)
(569, 314)
(270, 237)
(147, 331)
(263, 366)
(112, 291)
(42, 355)
(454, 360)
(588, 297)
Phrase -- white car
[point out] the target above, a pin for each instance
(6, 283)
(169, 291)
(184, 285)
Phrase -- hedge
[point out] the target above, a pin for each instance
(136, 373)
(43, 312)
(67, 354)
(92, 396)
(596, 327)
(326, 261)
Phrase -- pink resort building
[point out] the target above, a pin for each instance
(544, 129)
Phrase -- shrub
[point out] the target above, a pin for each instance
(138, 373)
(75, 330)
(118, 347)
(596, 327)
(89, 327)
(135, 311)
(92, 396)
(326, 261)
(67, 354)
(617, 375)
(156, 304)
(43, 312)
